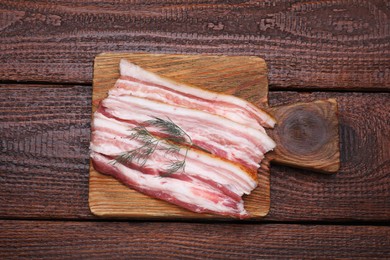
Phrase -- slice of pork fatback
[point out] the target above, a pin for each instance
(182, 193)
(142, 83)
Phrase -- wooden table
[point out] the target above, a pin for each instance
(314, 49)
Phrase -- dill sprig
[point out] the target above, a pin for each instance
(172, 141)
(141, 154)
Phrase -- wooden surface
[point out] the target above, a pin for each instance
(307, 136)
(347, 46)
(102, 240)
(243, 76)
(47, 51)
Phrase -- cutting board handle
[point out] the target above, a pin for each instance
(307, 136)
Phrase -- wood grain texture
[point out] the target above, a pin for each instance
(346, 46)
(361, 188)
(44, 158)
(243, 76)
(102, 240)
(307, 136)
(44, 139)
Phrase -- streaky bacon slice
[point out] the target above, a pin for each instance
(142, 83)
(110, 137)
(220, 136)
(185, 194)
(142, 90)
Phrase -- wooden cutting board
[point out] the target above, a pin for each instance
(306, 134)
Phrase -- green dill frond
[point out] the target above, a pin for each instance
(175, 139)
(168, 127)
(175, 166)
(140, 132)
(171, 150)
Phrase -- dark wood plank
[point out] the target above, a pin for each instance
(102, 240)
(44, 133)
(44, 162)
(317, 44)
